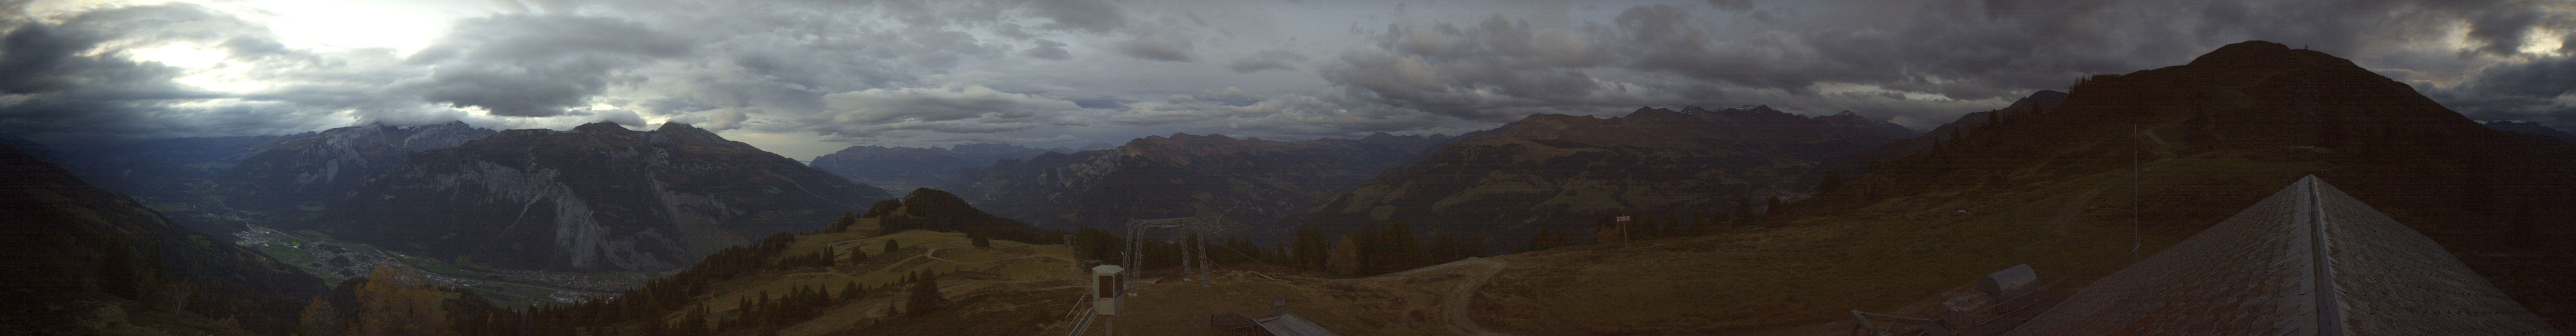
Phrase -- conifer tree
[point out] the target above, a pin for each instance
(980, 241)
(115, 268)
(844, 223)
(1832, 181)
(925, 297)
(158, 292)
(1743, 208)
(891, 245)
(1546, 238)
(851, 291)
(1404, 251)
(1309, 248)
(694, 323)
(1475, 247)
(1440, 249)
(1771, 206)
(829, 256)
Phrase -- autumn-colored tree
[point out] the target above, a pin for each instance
(1344, 258)
(318, 319)
(397, 301)
(1606, 228)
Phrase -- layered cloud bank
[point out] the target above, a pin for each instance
(792, 76)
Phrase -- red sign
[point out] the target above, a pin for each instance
(1623, 218)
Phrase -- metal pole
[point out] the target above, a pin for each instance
(1127, 256)
(1186, 271)
(2137, 236)
(1203, 263)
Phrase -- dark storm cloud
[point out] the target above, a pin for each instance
(1732, 5)
(938, 104)
(2538, 79)
(907, 72)
(1168, 45)
(1274, 59)
(1048, 49)
(1086, 15)
(537, 65)
(2541, 90)
(1964, 50)
(70, 77)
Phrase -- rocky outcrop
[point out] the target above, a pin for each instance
(595, 197)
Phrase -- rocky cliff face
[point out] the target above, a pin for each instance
(1250, 180)
(1549, 168)
(596, 197)
(318, 170)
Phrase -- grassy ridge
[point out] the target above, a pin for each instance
(972, 278)
(1900, 256)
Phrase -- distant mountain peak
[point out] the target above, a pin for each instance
(2268, 57)
(2241, 51)
(704, 191)
(2531, 128)
(681, 126)
(604, 126)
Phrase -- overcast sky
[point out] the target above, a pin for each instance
(804, 78)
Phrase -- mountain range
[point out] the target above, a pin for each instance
(2074, 192)
(1873, 216)
(316, 170)
(598, 196)
(2531, 128)
(1254, 181)
(1553, 169)
(907, 167)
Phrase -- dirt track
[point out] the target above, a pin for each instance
(1454, 314)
